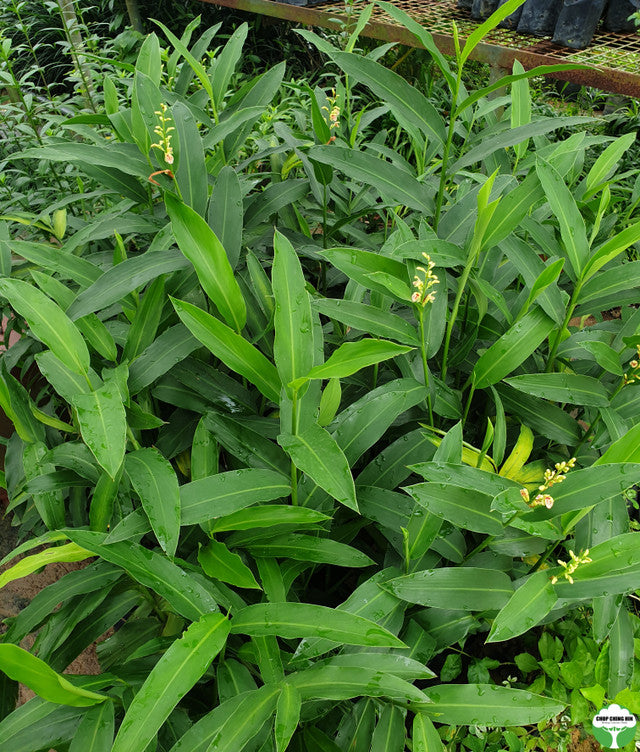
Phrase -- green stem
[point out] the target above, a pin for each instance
(468, 405)
(558, 338)
(462, 282)
(294, 431)
(425, 368)
(447, 150)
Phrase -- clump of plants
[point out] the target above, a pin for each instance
(346, 470)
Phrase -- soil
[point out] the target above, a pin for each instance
(580, 743)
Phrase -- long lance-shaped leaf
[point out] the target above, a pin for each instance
(171, 678)
(512, 348)
(95, 732)
(611, 248)
(531, 602)
(103, 425)
(185, 594)
(350, 357)
(66, 265)
(232, 349)
(563, 205)
(488, 705)
(407, 103)
(199, 244)
(562, 387)
(368, 318)
(122, 279)
(287, 716)
(67, 553)
(291, 620)
(390, 181)
(293, 343)
(155, 482)
(48, 323)
(424, 736)
(24, 667)
(315, 452)
(232, 724)
(123, 157)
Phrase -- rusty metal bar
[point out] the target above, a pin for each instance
(530, 52)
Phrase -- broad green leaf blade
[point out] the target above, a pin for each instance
(155, 482)
(625, 449)
(225, 213)
(293, 342)
(390, 663)
(563, 205)
(48, 323)
(562, 387)
(368, 318)
(275, 197)
(268, 515)
(287, 716)
(103, 425)
(191, 175)
(171, 678)
(95, 732)
(424, 736)
(292, 620)
(389, 734)
(343, 683)
(470, 588)
(218, 562)
(54, 259)
(478, 34)
(38, 723)
(232, 724)
(24, 667)
(606, 162)
(171, 347)
(407, 104)
(614, 281)
(309, 548)
(531, 602)
(67, 553)
(123, 157)
(185, 594)
(232, 349)
(512, 348)
(316, 453)
(612, 248)
(489, 705)
(350, 357)
(467, 508)
(199, 244)
(392, 183)
(226, 62)
(225, 493)
(144, 326)
(118, 281)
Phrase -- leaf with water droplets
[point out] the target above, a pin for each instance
(531, 602)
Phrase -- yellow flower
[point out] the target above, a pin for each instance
(423, 282)
(572, 566)
(163, 131)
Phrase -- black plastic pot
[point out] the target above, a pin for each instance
(617, 15)
(539, 17)
(510, 22)
(481, 9)
(465, 4)
(577, 23)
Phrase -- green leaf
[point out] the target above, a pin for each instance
(24, 667)
(409, 106)
(199, 244)
(389, 734)
(103, 425)
(470, 588)
(344, 683)
(350, 357)
(120, 280)
(123, 157)
(232, 724)
(309, 548)
(514, 347)
(218, 562)
(488, 705)
(275, 197)
(390, 663)
(232, 349)
(625, 449)
(369, 319)
(563, 205)
(145, 323)
(362, 265)
(606, 162)
(222, 494)
(54, 259)
(95, 732)
(562, 387)
(424, 736)
(293, 342)
(464, 507)
(191, 175)
(155, 482)
(292, 620)
(287, 716)
(316, 453)
(185, 595)
(611, 248)
(67, 553)
(392, 183)
(171, 678)
(610, 282)
(171, 347)
(329, 402)
(225, 213)
(478, 34)
(268, 515)
(531, 602)
(48, 323)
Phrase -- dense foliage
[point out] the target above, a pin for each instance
(317, 399)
